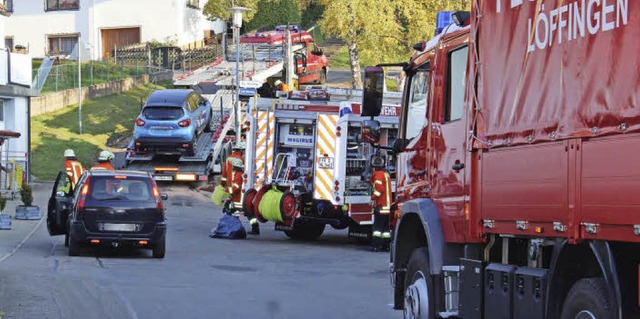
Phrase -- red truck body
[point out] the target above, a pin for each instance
(521, 130)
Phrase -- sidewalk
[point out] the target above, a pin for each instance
(21, 231)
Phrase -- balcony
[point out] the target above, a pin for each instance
(15, 69)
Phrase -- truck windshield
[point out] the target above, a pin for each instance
(418, 101)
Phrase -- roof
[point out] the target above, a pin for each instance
(168, 97)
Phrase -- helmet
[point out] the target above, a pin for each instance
(236, 163)
(105, 156)
(238, 146)
(377, 161)
(69, 153)
(277, 82)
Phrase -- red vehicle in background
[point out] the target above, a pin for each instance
(517, 164)
(310, 63)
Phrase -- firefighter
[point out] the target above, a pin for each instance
(104, 161)
(381, 202)
(72, 166)
(227, 169)
(281, 86)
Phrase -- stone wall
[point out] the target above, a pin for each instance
(54, 101)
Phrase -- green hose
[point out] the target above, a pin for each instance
(270, 205)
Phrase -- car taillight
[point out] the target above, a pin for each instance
(184, 123)
(158, 198)
(83, 195)
(140, 122)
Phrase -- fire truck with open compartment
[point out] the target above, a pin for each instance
(304, 162)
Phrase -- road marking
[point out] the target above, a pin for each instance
(15, 249)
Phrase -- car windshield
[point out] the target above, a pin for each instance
(104, 188)
(162, 113)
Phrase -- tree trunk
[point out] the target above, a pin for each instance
(356, 77)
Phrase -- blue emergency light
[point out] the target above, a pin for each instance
(443, 19)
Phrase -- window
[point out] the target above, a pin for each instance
(62, 45)
(7, 4)
(53, 5)
(456, 84)
(163, 113)
(418, 102)
(193, 4)
(8, 43)
(1, 111)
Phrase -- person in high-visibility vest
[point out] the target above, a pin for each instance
(72, 166)
(281, 86)
(104, 161)
(227, 170)
(381, 202)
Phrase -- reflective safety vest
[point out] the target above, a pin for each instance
(381, 195)
(74, 169)
(227, 169)
(235, 189)
(102, 165)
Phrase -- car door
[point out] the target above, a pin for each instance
(59, 205)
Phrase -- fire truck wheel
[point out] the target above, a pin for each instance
(247, 202)
(287, 205)
(418, 291)
(323, 77)
(309, 231)
(588, 299)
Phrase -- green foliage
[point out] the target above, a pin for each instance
(3, 202)
(217, 9)
(54, 132)
(311, 15)
(26, 194)
(274, 12)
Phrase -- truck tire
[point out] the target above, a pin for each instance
(287, 205)
(323, 77)
(160, 248)
(588, 298)
(418, 287)
(306, 232)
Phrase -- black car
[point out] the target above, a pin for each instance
(108, 208)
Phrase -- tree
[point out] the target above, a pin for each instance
(383, 30)
(217, 9)
(274, 12)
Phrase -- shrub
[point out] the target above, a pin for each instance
(26, 194)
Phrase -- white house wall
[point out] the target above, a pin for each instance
(158, 20)
(2, 18)
(15, 113)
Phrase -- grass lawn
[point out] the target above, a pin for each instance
(54, 132)
(340, 59)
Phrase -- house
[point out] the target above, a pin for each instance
(15, 93)
(54, 27)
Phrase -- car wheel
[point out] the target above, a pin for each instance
(588, 298)
(160, 248)
(418, 291)
(74, 247)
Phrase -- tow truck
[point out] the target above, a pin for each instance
(304, 161)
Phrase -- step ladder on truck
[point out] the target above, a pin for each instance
(304, 164)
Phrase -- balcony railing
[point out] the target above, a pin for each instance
(15, 68)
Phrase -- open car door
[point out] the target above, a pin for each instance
(59, 204)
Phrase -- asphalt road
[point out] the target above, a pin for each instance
(266, 276)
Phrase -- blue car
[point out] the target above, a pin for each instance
(171, 121)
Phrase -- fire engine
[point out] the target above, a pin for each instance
(304, 162)
(518, 173)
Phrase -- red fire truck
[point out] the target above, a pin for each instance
(304, 162)
(310, 63)
(517, 174)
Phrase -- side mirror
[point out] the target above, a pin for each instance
(61, 193)
(399, 145)
(373, 91)
(164, 196)
(370, 131)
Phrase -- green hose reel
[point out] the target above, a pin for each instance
(269, 206)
